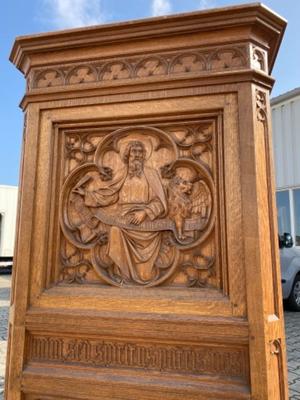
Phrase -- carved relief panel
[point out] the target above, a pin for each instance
(146, 212)
(138, 205)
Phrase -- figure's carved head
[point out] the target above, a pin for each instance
(183, 180)
(135, 150)
(181, 185)
(134, 156)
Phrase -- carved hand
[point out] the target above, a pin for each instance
(137, 217)
(106, 173)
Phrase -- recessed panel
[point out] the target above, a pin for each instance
(139, 205)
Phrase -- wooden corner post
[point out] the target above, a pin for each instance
(146, 251)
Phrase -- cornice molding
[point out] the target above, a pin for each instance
(256, 16)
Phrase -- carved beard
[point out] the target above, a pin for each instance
(135, 168)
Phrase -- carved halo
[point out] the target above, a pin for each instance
(148, 142)
(152, 138)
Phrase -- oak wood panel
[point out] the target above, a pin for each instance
(92, 385)
(186, 116)
(197, 329)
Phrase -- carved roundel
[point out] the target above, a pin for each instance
(137, 206)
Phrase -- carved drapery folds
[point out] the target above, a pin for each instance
(137, 206)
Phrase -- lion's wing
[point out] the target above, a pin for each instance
(200, 200)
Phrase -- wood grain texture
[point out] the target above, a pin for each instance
(146, 252)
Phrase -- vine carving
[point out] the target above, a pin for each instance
(261, 105)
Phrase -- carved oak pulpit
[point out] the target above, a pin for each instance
(146, 253)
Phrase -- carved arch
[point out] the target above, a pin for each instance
(82, 74)
(49, 78)
(115, 70)
(188, 62)
(226, 58)
(151, 66)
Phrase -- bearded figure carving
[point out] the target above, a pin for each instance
(138, 192)
(124, 210)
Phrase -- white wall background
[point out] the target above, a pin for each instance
(286, 140)
(8, 211)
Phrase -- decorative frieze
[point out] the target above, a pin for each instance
(186, 62)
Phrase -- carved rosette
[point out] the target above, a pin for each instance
(143, 198)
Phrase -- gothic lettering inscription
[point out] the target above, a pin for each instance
(159, 357)
(138, 204)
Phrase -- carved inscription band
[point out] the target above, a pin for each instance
(159, 357)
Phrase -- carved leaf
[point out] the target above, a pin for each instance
(258, 60)
(226, 59)
(82, 75)
(74, 267)
(114, 71)
(49, 78)
(151, 67)
(188, 63)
